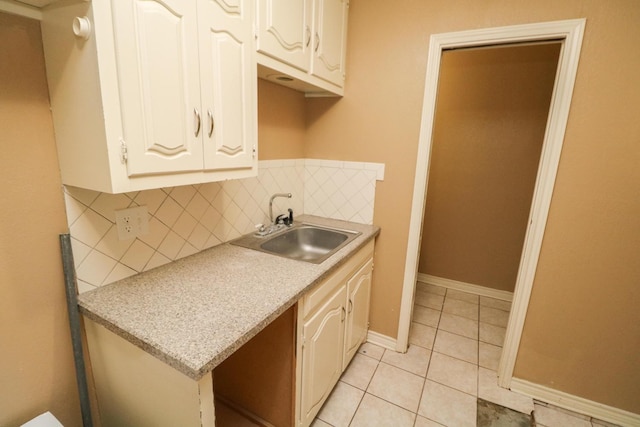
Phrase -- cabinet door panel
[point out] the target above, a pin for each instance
(359, 289)
(322, 354)
(158, 76)
(330, 40)
(284, 31)
(229, 83)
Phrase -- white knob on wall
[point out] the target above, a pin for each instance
(82, 27)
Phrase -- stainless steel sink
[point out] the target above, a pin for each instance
(305, 242)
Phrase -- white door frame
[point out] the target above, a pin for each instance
(569, 33)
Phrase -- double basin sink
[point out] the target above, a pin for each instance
(303, 242)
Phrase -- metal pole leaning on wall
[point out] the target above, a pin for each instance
(74, 323)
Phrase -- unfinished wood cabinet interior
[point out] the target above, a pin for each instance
(280, 377)
(302, 44)
(150, 94)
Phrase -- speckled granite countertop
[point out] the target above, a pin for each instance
(195, 312)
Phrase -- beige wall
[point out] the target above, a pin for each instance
(281, 122)
(36, 362)
(491, 115)
(582, 330)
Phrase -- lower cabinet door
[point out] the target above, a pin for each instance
(359, 290)
(322, 354)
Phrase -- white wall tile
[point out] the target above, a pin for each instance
(112, 246)
(95, 268)
(157, 232)
(137, 256)
(90, 227)
(152, 199)
(106, 204)
(187, 219)
(171, 245)
(156, 261)
(120, 271)
(341, 190)
(80, 251)
(169, 212)
(183, 194)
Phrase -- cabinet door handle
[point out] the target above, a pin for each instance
(196, 116)
(350, 306)
(317, 42)
(210, 115)
(308, 32)
(344, 314)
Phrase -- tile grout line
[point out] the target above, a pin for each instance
(437, 327)
(426, 374)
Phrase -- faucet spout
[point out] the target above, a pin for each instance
(287, 195)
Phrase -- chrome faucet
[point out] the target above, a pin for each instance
(287, 195)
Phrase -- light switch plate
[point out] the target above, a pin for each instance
(132, 222)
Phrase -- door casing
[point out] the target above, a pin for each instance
(569, 33)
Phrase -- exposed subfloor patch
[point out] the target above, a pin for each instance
(492, 415)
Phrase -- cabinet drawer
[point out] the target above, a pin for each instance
(326, 288)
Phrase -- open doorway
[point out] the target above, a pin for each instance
(491, 114)
(569, 35)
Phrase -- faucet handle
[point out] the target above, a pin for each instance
(262, 230)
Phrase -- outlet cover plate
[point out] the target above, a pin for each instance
(132, 222)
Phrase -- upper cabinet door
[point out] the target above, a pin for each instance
(284, 31)
(330, 40)
(229, 83)
(158, 74)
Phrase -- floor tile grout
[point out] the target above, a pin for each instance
(478, 365)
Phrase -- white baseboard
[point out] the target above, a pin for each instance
(381, 340)
(465, 287)
(575, 403)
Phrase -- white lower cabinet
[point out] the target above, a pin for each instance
(322, 354)
(332, 322)
(359, 292)
(281, 377)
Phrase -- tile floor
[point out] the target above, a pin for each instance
(455, 344)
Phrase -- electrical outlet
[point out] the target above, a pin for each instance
(132, 222)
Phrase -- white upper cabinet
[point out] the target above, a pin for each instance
(333, 320)
(302, 44)
(228, 83)
(330, 40)
(161, 93)
(159, 85)
(284, 31)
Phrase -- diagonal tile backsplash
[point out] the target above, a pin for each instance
(185, 220)
(341, 190)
